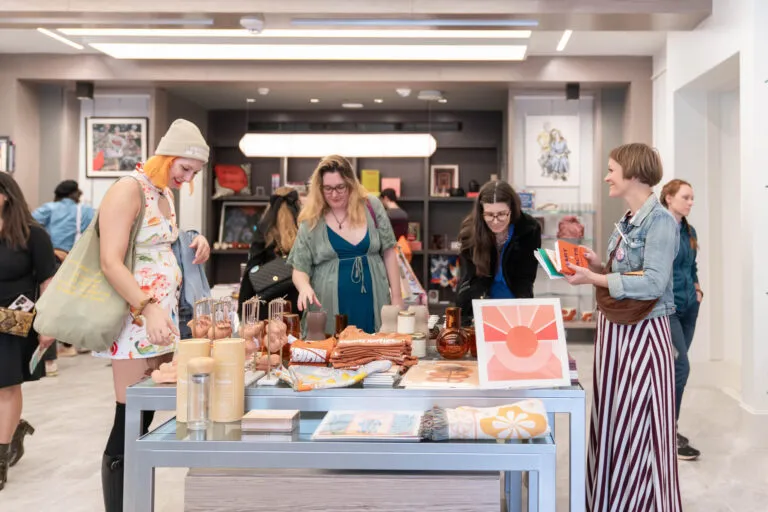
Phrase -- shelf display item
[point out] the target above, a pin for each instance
(521, 343)
(277, 335)
(371, 180)
(341, 323)
(520, 420)
(202, 323)
(228, 393)
(222, 319)
(470, 333)
(588, 316)
(419, 345)
(569, 314)
(570, 227)
(452, 342)
(312, 353)
(187, 350)
(442, 179)
(316, 321)
(389, 315)
(292, 323)
(406, 322)
(393, 183)
(370, 426)
(230, 180)
(270, 420)
(165, 374)
(442, 375)
(307, 378)
(355, 347)
(199, 371)
(251, 329)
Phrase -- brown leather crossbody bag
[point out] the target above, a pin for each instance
(624, 311)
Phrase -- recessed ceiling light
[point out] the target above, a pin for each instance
(250, 100)
(564, 40)
(378, 100)
(314, 100)
(352, 105)
(388, 22)
(60, 39)
(442, 100)
(263, 90)
(315, 52)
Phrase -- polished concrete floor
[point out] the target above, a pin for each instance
(73, 414)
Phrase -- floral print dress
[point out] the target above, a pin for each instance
(155, 269)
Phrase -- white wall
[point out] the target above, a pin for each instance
(739, 195)
(118, 105)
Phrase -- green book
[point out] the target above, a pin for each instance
(546, 259)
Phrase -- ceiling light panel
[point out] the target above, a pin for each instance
(317, 52)
(384, 22)
(60, 39)
(298, 34)
(564, 40)
(387, 145)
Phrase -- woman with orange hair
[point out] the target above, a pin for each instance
(150, 330)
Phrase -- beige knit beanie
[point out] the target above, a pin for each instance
(185, 140)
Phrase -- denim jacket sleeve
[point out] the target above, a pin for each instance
(660, 248)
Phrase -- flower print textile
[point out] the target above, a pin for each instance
(156, 271)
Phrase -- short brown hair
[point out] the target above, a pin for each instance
(638, 160)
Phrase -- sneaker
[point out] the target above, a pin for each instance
(687, 452)
(65, 351)
(682, 441)
(51, 369)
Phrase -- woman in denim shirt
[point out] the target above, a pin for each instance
(677, 197)
(631, 464)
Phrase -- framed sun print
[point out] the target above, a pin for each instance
(442, 179)
(239, 222)
(521, 343)
(114, 145)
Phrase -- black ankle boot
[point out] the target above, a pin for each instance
(112, 482)
(5, 454)
(17, 443)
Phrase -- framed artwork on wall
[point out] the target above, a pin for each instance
(7, 158)
(442, 179)
(114, 145)
(552, 151)
(239, 222)
(521, 343)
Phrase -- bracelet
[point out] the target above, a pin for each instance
(137, 311)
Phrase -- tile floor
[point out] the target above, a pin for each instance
(73, 414)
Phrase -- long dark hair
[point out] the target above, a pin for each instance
(475, 235)
(16, 216)
(671, 189)
(279, 224)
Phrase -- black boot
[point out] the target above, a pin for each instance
(112, 482)
(17, 443)
(5, 454)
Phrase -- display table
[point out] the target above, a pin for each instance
(146, 396)
(222, 446)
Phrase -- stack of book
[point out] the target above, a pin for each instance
(383, 379)
(277, 425)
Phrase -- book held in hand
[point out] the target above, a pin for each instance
(566, 252)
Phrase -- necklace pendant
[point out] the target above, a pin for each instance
(340, 225)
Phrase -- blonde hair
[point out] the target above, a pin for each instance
(638, 160)
(315, 205)
(284, 230)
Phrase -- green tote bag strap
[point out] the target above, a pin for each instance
(80, 307)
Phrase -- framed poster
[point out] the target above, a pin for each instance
(442, 179)
(114, 145)
(552, 151)
(521, 343)
(239, 222)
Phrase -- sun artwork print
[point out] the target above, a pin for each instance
(521, 343)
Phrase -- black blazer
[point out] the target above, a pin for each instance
(519, 266)
(261, 254)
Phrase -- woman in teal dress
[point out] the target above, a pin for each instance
(344, 259)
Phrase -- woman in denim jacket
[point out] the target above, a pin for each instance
(677, 197)
(631, 464)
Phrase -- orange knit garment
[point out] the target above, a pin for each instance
(158, 170)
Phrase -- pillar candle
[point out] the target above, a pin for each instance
(186, 350)
(228, 396)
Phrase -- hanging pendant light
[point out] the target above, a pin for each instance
(359, 145)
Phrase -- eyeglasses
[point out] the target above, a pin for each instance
(339, 189)
(501, 216)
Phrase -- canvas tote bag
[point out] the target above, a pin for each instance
(79, 306)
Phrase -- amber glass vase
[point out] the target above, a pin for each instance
(452, 342)
(469, 332)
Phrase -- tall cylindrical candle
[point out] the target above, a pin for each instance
(186, 350)
(228, 394)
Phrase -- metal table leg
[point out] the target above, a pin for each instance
(577, 459)
(144, 492)
(513, 486)
(546, 491)
(134, 417)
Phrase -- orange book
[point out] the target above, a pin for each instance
(566, 252)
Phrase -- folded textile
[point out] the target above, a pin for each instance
(307, 378)
(356, 347)
(312, 353)
(521, 420)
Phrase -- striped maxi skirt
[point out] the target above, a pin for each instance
(632, 460)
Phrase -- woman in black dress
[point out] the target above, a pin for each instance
(27, 264)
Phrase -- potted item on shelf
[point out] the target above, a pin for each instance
(569, 314)
(452, 342)
(570, 227)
